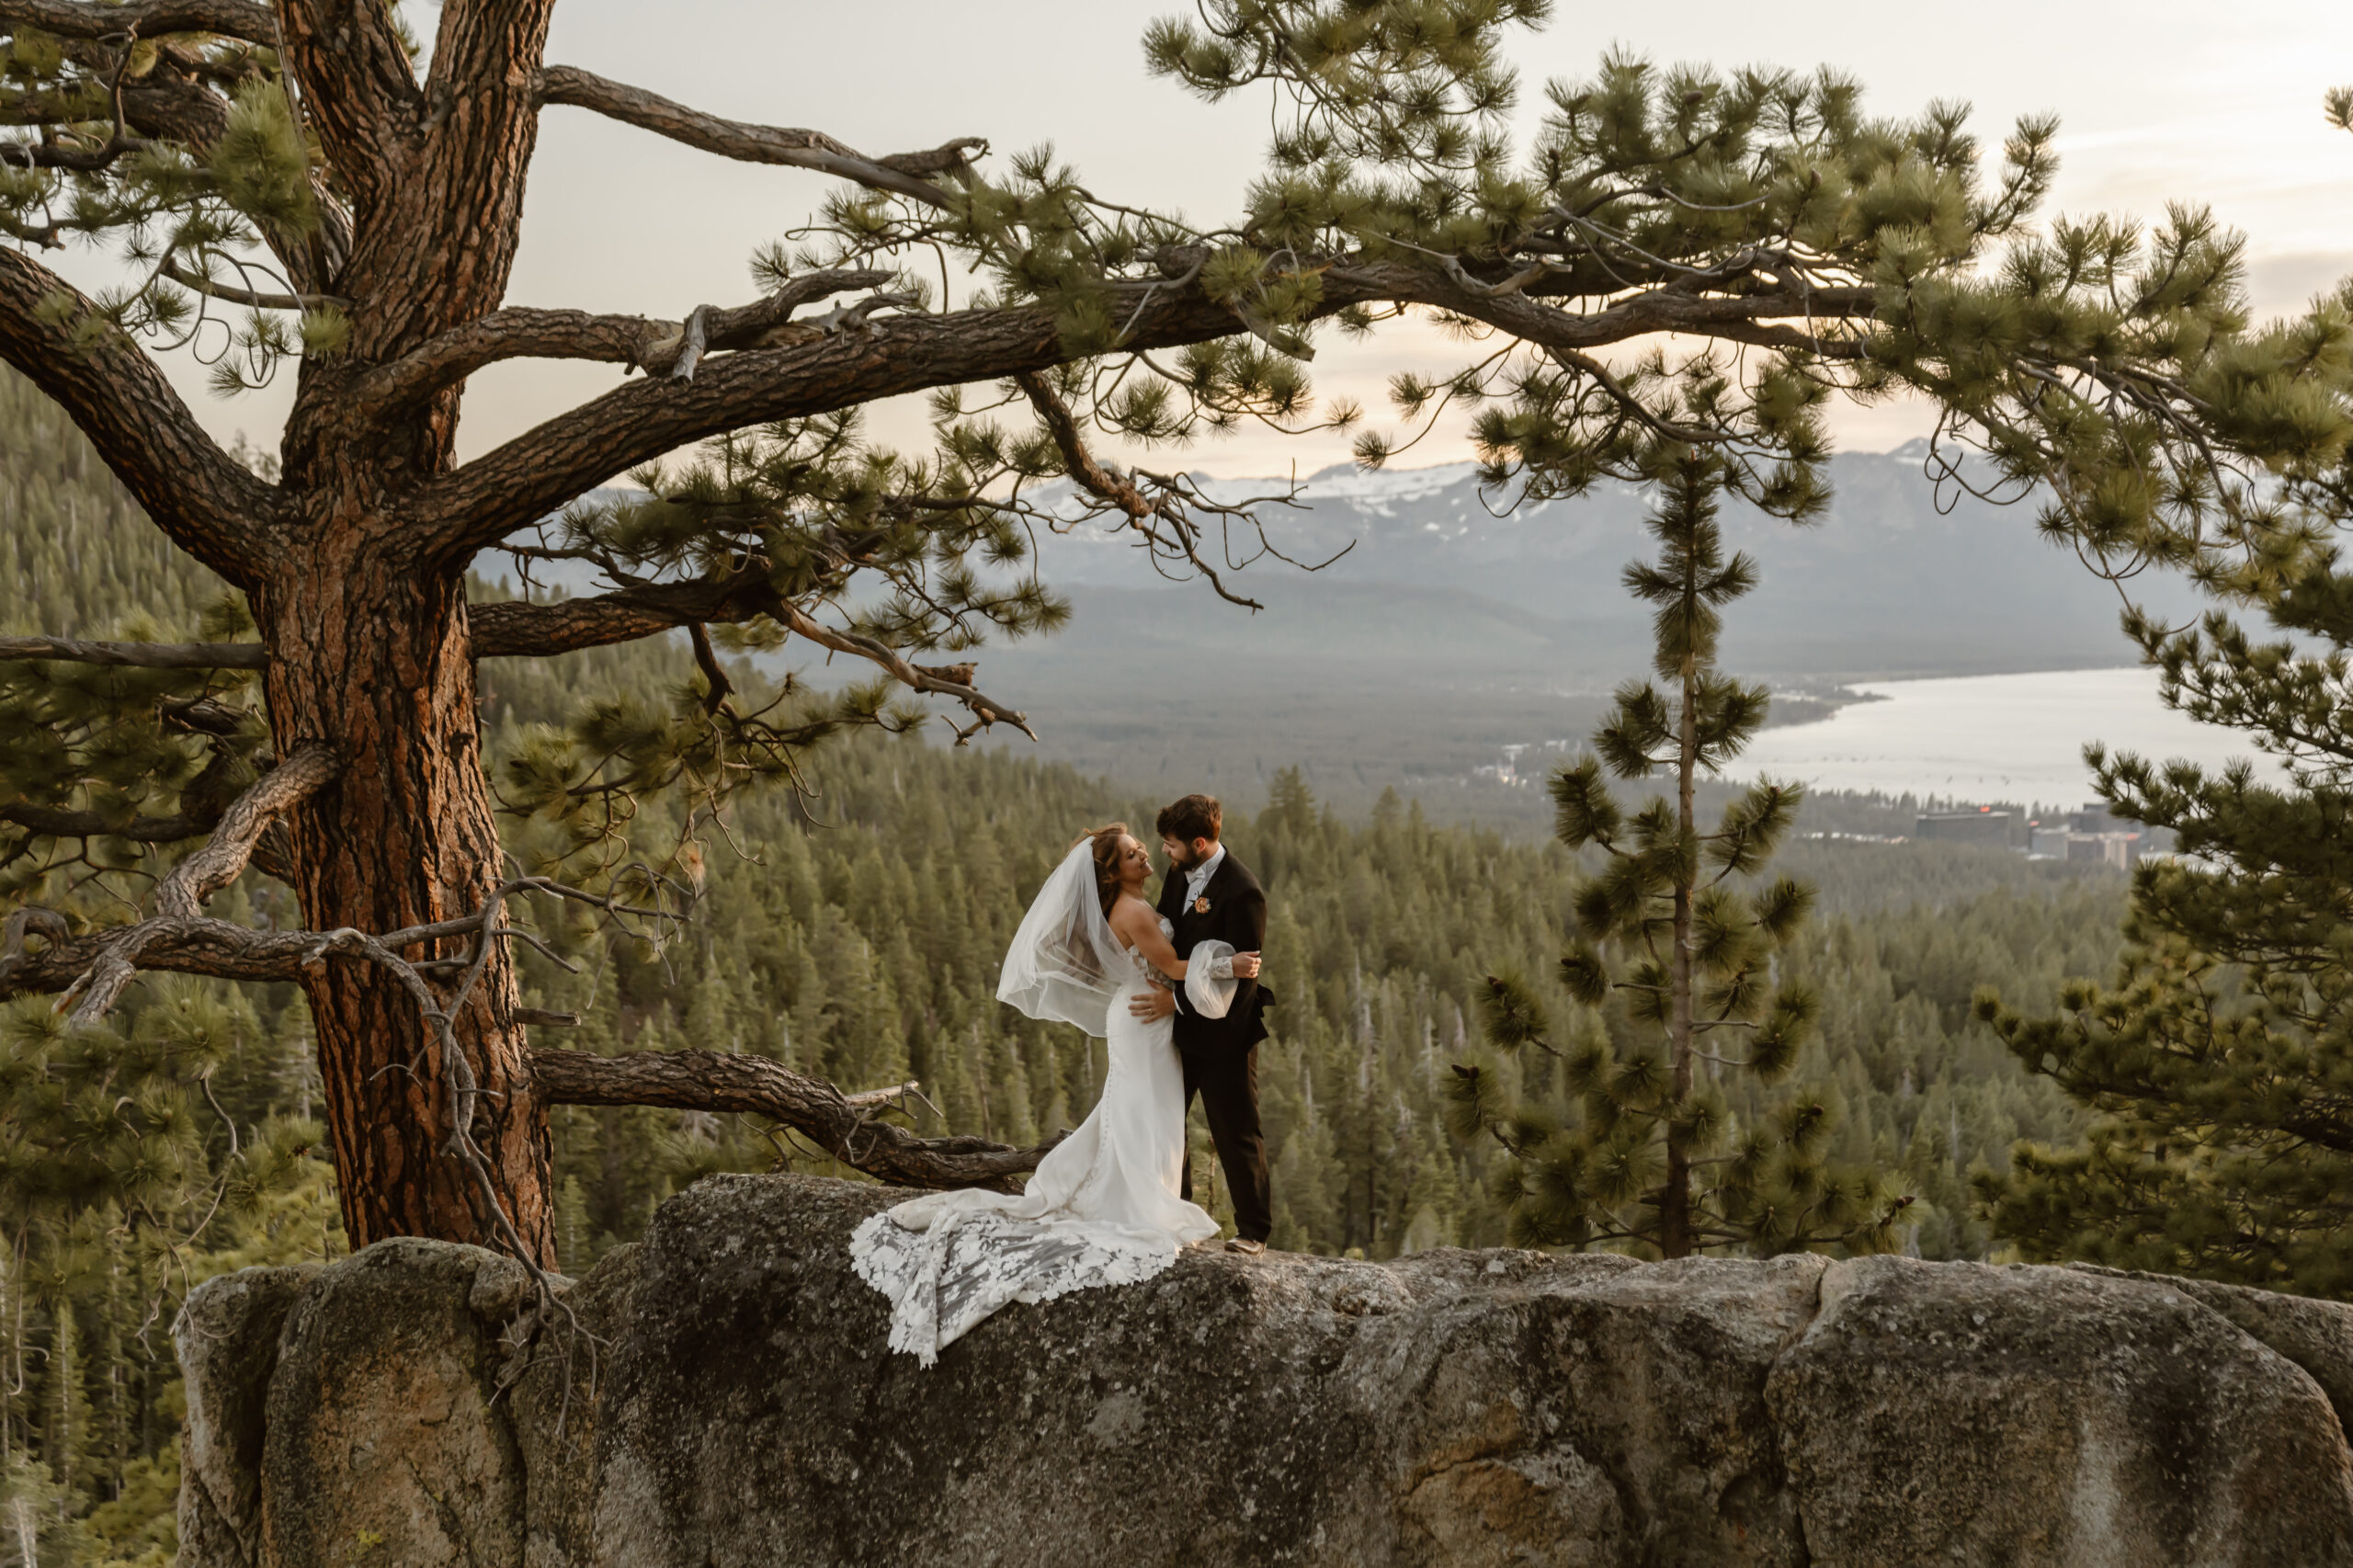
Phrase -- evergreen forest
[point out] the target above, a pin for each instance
(854, 934)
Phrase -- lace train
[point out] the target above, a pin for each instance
(1102, 1209)
(943, 1279)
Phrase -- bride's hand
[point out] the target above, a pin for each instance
(1246, 966)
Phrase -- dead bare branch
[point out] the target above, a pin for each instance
(986, 710)
(181, 896)
(305, 770)
(901, 175)
(719, 1082)
(1159, 520)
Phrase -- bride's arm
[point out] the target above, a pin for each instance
(1141, 927)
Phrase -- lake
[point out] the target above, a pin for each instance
(2017, 738)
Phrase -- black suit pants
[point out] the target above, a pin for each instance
(1225, 1077)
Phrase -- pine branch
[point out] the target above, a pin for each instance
(548, 467)
(146, 19)
(194, 492)
(1744, 315)
(839, 1124)
(167, 107)
(253, 299)
(717, 688)
(654, 347)
(73, 160)
(139, 655)
(905, 174)
(516, 629)
(55, 823)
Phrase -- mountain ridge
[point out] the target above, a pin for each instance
(1895, 581)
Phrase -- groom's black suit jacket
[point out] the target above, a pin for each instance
(1220, 1055)
(1237, 915)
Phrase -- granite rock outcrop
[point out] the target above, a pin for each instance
(719, 1395)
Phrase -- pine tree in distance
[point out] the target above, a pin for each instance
(1676, 948)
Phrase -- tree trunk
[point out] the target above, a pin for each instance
(370, 650)
(375, 660)
(1674, 1206)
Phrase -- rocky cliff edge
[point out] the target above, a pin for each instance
(727, 1399)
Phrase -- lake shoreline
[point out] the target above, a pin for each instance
(2016, 737)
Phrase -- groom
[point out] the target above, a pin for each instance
(1209, 894)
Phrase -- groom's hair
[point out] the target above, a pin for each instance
(1195, 816)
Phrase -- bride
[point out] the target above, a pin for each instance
(1103, 1207)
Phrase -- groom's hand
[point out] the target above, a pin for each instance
(1154, 1004)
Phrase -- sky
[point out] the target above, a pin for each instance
(2164, 100)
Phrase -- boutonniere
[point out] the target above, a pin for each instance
(1201, 905)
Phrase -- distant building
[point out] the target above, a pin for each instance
(2097, 836)
(2096, 818)
(1986, 829)
(2117, 849)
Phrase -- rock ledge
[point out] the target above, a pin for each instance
(1453, 1408)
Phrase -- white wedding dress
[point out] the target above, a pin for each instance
(1102, 1208)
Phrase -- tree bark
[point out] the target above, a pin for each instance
(369, 644)
(379, 660)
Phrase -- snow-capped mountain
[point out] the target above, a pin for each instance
(1420, 565)
(1897, 579)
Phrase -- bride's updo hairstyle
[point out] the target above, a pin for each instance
(1106, 863)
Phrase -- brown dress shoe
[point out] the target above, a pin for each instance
(1244, 1244)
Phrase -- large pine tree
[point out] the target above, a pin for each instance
(2220, 1062)
(1683, 253)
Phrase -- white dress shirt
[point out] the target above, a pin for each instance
(1198, 877)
